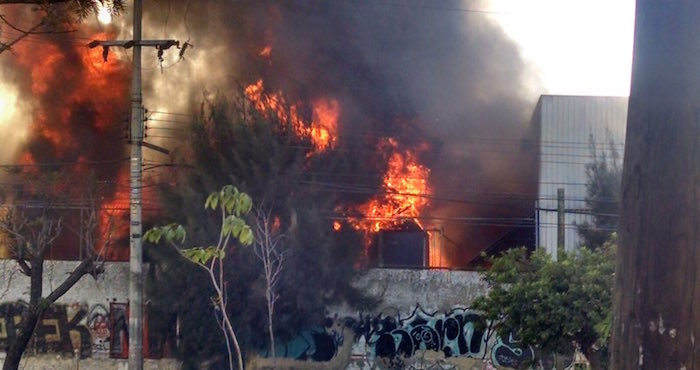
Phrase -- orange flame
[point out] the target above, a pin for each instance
(265, 52)
(114, 216)
(322, 129)
(405, 186)
(402, 197)
(95, 101)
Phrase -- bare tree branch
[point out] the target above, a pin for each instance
(270, 251)
(24, 267)
(85, 267)
(32, 231)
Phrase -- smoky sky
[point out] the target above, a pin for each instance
(419, 71)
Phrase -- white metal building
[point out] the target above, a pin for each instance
(569, 127)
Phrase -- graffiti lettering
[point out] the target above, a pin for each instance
(389, 340)
(510, 354)
(315, 344)
(62, 329)
(77, 329)
(460, 332)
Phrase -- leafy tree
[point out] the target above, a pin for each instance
(34, 218)
(229, 143)
(232, 205)
(554, 305)
(604, 176)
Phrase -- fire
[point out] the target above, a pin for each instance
(265, 52)
(80, 101)
(405, 187)
(403, 195)
(324, 124)
(114, 217)
(322, 130)
(404, 190)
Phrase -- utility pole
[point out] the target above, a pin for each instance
(656, 322)
(135, 204)
(135, 168)
(561, 223)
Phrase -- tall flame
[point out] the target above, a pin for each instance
(404, 190)
(322, 130)
(403, 197)
(403, 194)
(80, 101)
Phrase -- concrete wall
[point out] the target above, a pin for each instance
(433, 290)
(417, 307)
(54, 362)
(424, 321)
(111, 286)
(77, 327)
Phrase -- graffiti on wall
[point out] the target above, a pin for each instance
(76, 329)
(119, 327)
(457, 333)
(316, 344)
(62, 329)
(460, 332)
(98, 324)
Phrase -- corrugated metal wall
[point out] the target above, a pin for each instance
(569, 126)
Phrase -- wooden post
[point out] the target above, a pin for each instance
(561, 223)
(657, 288)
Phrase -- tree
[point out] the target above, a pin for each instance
(31, 227)
(231, 143)
(604, 176)
(657, 287)
(54, 16)
(232, 205)
(553, 305)
(271, 252)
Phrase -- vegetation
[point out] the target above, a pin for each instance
(271, 163)
(35, 217)
(604, 176)
(270, 250)
(554, 305)
(232, 205)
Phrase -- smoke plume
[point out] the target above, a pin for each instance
(403, 69)
(429, 74)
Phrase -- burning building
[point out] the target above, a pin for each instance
(432, 117)
(71, 108)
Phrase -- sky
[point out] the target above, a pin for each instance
(573, 47)
(579, 47)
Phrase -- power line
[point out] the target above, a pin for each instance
(61, 164)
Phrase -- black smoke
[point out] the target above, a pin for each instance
(420, 71)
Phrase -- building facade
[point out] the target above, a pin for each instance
(573, 131)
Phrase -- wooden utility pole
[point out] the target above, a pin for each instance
(136, 163)
(561, 223)
(657, 289)
(135, 204)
